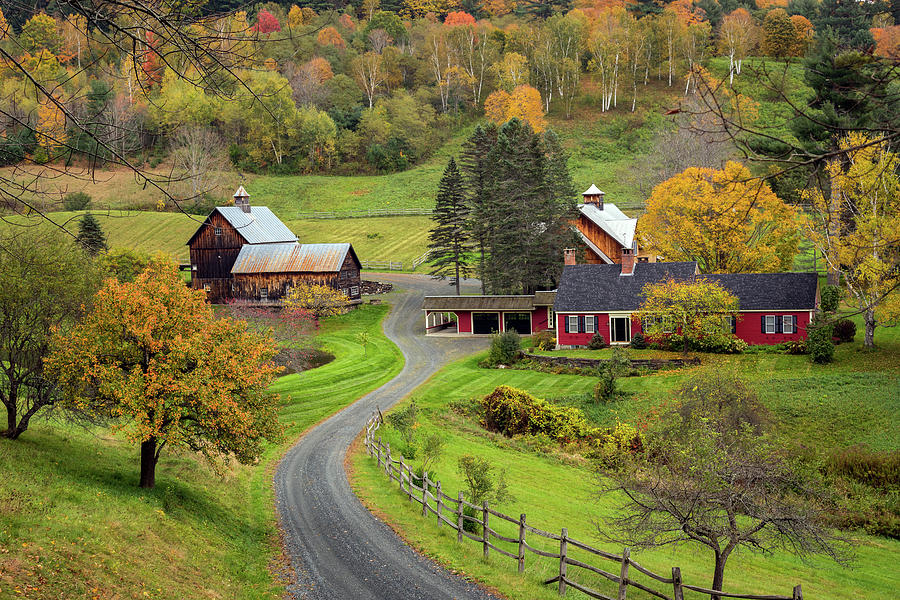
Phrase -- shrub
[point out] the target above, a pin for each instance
(818, 341)
(544, 340)
(597, 342)
(505, 348)
(612, 447)
(831, 297)
(877, 469)
(405, 420)
(514, 412)
(77, 201)
(845, 330)
(606, 388)
(638, 341)
(484, 481)
(795, 347)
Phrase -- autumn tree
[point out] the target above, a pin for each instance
(867, 250)
(329, 36)
(523, 103)
(713, 476)
(803, 35)
(40, 33)
(266, 22)
(200, 158)
(44, 283)
(319, 300)
(449, 239)
(152, 357)
(4, 27)
(369, 72)
(725, 219)
(511, 71)
(737, 37)
(696, 310)
(779, 35)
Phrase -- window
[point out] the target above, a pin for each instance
(551, 320)
(264, 293)
(788, 324)
(769, 324)
(354, 290)
(731, 324)
(206, 287)
(217, 231)
(572, 324)
(193, 267)
(590, 324)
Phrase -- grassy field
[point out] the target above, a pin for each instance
(818, 408)
(74, 524)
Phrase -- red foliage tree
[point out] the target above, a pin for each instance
(266, 22)
(151, 68)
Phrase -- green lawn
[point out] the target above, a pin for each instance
(819, 408)
(74, 524)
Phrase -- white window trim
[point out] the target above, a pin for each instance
(551, 318)
(787, 324)
(573, 323)
(263, 293)
(354, 290)
(590, 324)
(217, 231)
(770, 319)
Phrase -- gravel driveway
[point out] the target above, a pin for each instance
(339, 551)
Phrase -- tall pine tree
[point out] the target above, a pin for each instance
(449, 239)
(477, 173)
(90, 235)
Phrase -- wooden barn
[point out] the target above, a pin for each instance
(265, 272)
(267, 256)
(608, 233)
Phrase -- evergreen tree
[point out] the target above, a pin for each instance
(848, 22)
(90, 235)
(477, 173)
(642, 8)
(449, 239)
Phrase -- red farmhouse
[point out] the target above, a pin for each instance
(595, 298)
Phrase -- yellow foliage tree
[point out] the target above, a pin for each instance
(511, 71)
(524, 102)
(867, 251)
(295, 17)
(320, 300)
(4, 27)
(726, 220)
(51, 127)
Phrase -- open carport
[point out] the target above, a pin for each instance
(484, 315)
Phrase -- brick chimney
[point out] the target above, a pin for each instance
(627, 261)
(594, 196)
(242, 199)
(569, 256)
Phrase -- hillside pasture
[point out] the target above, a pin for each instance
(816, 409)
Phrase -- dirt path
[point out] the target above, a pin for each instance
(338, 549)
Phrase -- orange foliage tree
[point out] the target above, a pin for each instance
(887, 41)
(151, 68)
(459, 17)
(803, 34)
(152, 357)
(329, 36)
(4, 27)
(346, 21)
(524, 102)
(51, 127)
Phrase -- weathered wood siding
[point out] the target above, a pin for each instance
(601, 239)
(248, 286)
(213, 256)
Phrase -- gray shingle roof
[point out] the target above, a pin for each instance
(771, 291)
(291, 258)
(602, 288)
(259, 226)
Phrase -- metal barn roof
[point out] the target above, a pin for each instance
(611, 220)
(259, 226)
(291, 258)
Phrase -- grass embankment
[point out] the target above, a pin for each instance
(815, 408)
(74, 524)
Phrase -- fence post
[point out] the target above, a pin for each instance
(459, 517)
(563, 546)
(424, 494)
(379, 450)
(521, 557)
(402, 470)
(388, 465)
(623, 574)
(678, 593)
(486, 529)
(409, 480)
(440, 503)
(798, 593)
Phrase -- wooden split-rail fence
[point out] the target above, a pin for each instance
(396, 265)
(452, 512)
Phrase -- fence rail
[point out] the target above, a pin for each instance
(396, 265)
(451, 512)
(370, 212)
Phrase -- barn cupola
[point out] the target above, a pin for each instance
(242, 199)
(594, 196)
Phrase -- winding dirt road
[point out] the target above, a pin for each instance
(338, 549)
